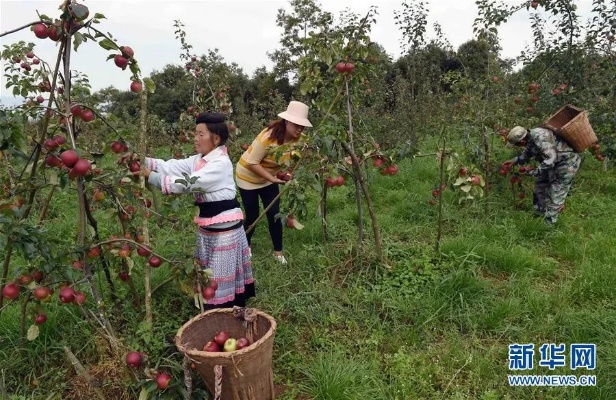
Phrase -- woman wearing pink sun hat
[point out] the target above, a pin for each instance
(255, 173)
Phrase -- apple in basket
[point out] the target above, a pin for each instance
(230, 345)
(211, 347)
(242, 343)
(221, 338)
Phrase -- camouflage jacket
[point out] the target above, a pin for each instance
(545, 147)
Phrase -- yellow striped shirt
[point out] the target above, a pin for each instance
(267, 152)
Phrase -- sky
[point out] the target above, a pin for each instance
(244, 31)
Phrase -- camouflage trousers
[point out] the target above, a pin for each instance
(552, 187)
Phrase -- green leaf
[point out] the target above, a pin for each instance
(99, 16)
(79, 11)
(144, 394)
(107, 44)
(33, 332)
(134, 67)
(53, 178)
(130, 263)
(150, 85)
(460, 181)
(78, 40)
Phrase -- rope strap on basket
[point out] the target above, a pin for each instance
(217, 382)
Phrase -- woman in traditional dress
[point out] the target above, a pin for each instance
(221, 240)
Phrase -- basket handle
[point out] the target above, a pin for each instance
(217, 382)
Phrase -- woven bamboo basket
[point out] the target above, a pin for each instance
(244, 374)
(571, 123)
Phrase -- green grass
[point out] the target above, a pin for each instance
(423, 325)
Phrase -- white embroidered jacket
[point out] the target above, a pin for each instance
(215, 181)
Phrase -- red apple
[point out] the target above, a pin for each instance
(59, 139)
(242, 343)
(208, 293)
(136, 87)
(69, 158)
(76, 110)
(155, 261)
(283, 176)
(29, 54)
(67, 294)
(117, 147)
(341, 67)
(349, 67)
(40, 99)
(25, 280)
(52, 160)
(80, 298)
(211, 347)
(87, 115)
(475, 180)
(82, 167)
(50, 145)
(392, 169)
(120, 61)
(37, 275)
(53, 33)
(94, 252)
(162, 380)
(339, 181)
(221, 338)
(213, 284)
(143, 251)
(99, 195)
(36, 61)
(10, 291)
(377, 162)
(123, 275)
(127, 51)
(330, 182)
(40, 319)
(230, 345)
(40, 31)
(135, 166)
(77, 264)
(134, 359)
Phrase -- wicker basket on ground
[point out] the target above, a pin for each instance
(244, 374)
(571, 123)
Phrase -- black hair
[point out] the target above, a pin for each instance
(215, 123)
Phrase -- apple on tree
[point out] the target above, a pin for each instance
(208, 292)
(40, 319)
(67, 294)
(10, 291)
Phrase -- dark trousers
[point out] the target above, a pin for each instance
(250, 199)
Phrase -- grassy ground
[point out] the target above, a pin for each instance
(426, 325)
(438, 326)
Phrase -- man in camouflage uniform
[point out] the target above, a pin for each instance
(558, 165)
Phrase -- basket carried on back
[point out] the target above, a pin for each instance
(244, 374)
(571, 123)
